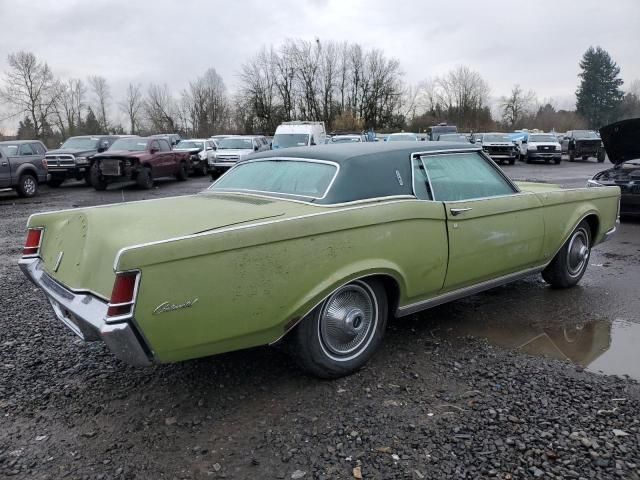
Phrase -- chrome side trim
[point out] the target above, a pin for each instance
(316, 205)
(465, 292)
(253, 225)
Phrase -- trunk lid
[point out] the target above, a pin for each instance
(79, 246)
(620, 140)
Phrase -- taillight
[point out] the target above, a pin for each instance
(123, 295)
(44, 163)
(32, 244)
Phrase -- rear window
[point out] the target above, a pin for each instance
(310, 179)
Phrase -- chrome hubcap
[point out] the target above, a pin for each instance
(578, 252)
(29, 186)
(348, 320)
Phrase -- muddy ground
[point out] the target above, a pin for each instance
(456, 392)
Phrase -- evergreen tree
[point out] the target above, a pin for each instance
(599, 94)
(91, 124)
(26, 130)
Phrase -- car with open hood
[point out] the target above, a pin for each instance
(313, 248)
(622, 143)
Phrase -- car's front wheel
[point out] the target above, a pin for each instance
(144, 179)
(97, 180)
(341, 334)
(568, 266)
(183, 172)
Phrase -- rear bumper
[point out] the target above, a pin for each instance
(84, 314)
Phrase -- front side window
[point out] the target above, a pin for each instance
(25, 149)
(280, 177)
(464, 176)
(164, 145)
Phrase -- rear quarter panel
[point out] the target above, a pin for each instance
(252, 284)
(564, 209)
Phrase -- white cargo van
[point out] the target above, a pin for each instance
(299, 134)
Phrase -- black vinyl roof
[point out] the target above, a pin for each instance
(369, 169)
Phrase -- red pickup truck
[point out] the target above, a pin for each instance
(139, 159)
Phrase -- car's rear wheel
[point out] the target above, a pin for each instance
(183, 172)
(568, 266)
(144, 179)
(341, 334)
(27, 185)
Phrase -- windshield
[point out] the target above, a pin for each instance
(80, 143)
(542, 138)
(345, 139)
(188, 145)
(496, 138)
(402, 137)
(286, 140)
(235, 144)
(284, 177)
(130, 144)
(586, 134)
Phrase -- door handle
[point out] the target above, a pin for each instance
(457, 211)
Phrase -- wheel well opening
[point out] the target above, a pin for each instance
(594, 225)
(392, 289)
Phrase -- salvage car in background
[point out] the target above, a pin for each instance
(455, 137)
(310, 247)
(22, 166)
(583, 144)
(347, 138)
(622, 143)
(540, 146)
(235, 149)
(201, 152)
(401, 137)
(73, 158)
(138, 159)
(500, 147)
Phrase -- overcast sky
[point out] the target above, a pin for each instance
(534, 43)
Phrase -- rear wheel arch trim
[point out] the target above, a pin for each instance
(390, 283)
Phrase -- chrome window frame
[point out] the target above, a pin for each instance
(279, 195)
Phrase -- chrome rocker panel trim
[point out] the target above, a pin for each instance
(85, 316)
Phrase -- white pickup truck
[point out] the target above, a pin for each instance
(540, 147)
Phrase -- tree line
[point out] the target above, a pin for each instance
(343, 84)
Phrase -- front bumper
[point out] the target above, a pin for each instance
(554, 154)
(222, 164)
(85, 314)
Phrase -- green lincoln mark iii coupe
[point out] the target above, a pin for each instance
(310, 247)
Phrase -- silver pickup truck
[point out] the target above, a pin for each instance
(22, 167)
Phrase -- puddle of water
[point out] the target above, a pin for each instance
(598, 346)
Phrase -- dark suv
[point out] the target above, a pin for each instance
(72, 159)
(22, 167)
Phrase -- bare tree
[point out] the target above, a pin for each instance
(206, 104)
(71, 102)
(161, 109)
(132, 105)
(516, 105)
(30, 89)
(258, 87)
(102, 96)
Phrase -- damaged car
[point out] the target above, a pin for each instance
(622, 143)
(311, 248)
(583, 144)
(200, 151)
(500, 147)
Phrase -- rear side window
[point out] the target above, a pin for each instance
(464, 176)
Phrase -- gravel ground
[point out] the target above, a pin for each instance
(425, 407)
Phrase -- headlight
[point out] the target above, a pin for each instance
(81, 159)
(558, 148)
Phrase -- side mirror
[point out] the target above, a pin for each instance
(255, 149)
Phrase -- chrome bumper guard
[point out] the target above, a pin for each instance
(611, 232)
(85, 315)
